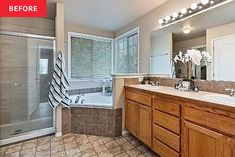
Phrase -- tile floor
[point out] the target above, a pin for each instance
(78, 145)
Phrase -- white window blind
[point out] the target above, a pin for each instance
(90, 57)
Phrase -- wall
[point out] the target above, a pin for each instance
(28, 25)
(214, 33)
(149, 23)
(188, 44)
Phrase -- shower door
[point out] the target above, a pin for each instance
(26, 66)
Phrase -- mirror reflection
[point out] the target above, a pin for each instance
(200, 47)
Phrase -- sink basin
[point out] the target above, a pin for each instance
(149, 86)
(221, 98)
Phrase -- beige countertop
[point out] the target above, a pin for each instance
(199, 96)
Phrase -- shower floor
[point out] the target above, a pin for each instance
(41, 118)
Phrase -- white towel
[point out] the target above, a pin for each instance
(58, 93)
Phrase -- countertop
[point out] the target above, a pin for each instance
(198, 96)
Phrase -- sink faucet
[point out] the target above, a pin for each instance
(78, 98)
(232, 92)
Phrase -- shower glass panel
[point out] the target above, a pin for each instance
(26, 66)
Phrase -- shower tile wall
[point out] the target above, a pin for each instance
(13, 79)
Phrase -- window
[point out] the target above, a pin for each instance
(89, 56)
(127, 52)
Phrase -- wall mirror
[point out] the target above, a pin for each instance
(208, 38)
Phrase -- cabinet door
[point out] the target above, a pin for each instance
(201, 142)
(229, 147)
(131, 116)
(144, 124)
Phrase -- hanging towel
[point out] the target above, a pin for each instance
(58, 93)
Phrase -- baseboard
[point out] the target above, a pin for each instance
(58, 134)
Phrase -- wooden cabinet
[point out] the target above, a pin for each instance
(201, 142)
(144, 124)
(131, 116)
(205, 133)
(176, 127)
(138, 116)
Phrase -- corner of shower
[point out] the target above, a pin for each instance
(26, 68)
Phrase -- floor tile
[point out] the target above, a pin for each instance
(78, 145)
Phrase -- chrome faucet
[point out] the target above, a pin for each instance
(78, 98)
(232, 92)
(82, 101)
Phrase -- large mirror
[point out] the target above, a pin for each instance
(208, 38)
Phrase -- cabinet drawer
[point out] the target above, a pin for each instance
(163, 150)
(215, 121)
(167, 106)
(167, 121)
(143, 99)
(170, 139)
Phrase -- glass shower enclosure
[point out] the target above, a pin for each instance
(26, 67)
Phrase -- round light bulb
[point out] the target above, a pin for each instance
(183, 11)
(167, 18)
(194, 6)
(204, 2)
(186, 31)
(161, 21)
(175, 14)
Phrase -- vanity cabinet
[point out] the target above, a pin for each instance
(131, 116)
(139, 116)
(207, 133)
(177, 127)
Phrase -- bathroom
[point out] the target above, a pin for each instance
(150, 79)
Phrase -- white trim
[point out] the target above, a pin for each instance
(134, 30)
(27, 136)
(86, 36)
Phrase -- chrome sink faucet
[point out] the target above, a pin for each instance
(232, 92)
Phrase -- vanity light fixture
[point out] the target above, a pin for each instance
(193, 9)
(175, 15)
(205, 2)
(194, 6)
(183, 11)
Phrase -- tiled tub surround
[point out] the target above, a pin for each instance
(92, 121)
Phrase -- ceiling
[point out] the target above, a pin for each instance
(109, 15)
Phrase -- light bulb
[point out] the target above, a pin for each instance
(167, 18)
(204, 2)
(175, 14)
(161, 21)
(186, 30)
(194, 6)
(183, 11)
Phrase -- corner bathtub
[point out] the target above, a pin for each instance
(92, 99)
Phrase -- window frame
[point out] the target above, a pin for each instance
(124, 35)
(92, 37)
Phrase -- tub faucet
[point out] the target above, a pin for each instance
(78, 98)
(232, 92)
(103, 90)
(82, 101)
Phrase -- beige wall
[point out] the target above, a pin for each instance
(217, 32)
(149, 23)
(188, 44)
(28, 25)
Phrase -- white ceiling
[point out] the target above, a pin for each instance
(108, 15)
